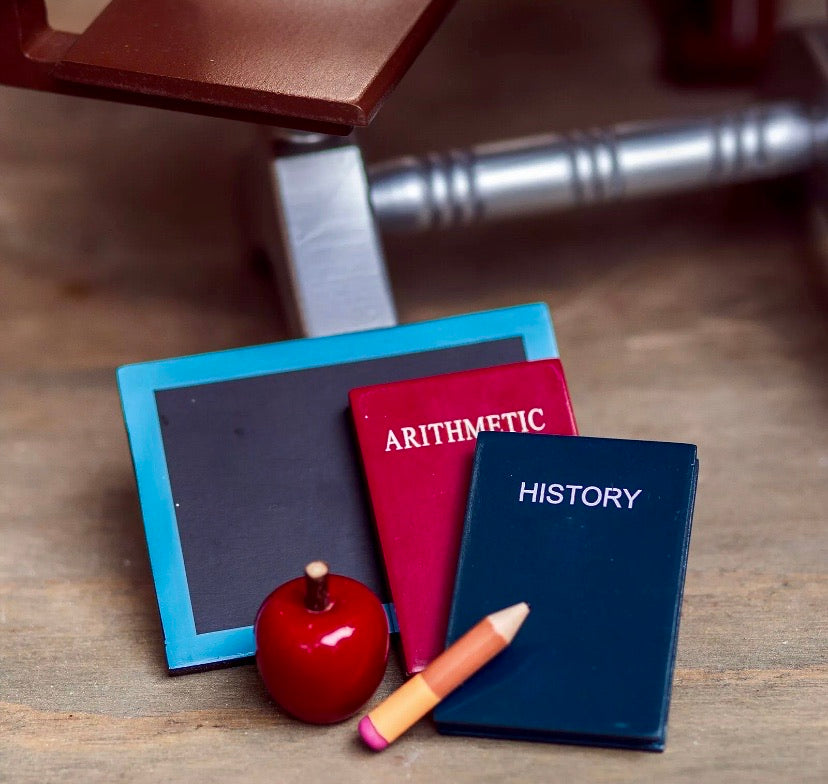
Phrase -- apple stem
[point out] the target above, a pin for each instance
(316, 586)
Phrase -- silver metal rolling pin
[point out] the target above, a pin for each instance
(552, 172)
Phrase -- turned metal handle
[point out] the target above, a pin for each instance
(551, 172)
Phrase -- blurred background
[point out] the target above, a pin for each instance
(145, 201)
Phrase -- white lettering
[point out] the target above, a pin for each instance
(434, 427)
(522, 418)
(472, 429)
(597, 500)
(457, 431)
(392, 441)
(554, 494)
(409, 436)
(612, 494)
(572, 494)
(631, 497)
(524, 491)
(589, 495)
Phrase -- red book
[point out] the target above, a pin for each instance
(417, 441)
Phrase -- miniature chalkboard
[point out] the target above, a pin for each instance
(247, 467)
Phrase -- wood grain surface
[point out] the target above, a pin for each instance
(699, 319)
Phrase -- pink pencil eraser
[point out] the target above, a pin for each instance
(370, 735)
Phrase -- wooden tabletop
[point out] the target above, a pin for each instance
(700, 319)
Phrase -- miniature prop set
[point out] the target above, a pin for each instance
(250, 465)
(246, 464)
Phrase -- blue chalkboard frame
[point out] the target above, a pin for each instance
(138, 383)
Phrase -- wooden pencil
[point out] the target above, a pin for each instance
(392, 717)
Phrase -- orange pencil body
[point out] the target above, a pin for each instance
(414, 699)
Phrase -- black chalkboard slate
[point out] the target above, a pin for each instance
(265, 476)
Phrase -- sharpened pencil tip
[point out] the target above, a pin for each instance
(507, 621)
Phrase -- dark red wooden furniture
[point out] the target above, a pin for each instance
(313, 64)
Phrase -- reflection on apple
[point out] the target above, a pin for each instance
(321, 645)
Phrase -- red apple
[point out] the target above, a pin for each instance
(321, 645)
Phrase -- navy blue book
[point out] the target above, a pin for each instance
(593, 533)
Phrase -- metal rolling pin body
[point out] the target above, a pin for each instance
(546, 173)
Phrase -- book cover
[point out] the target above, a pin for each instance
(594, 534)
(417, 442)
(247, 468)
